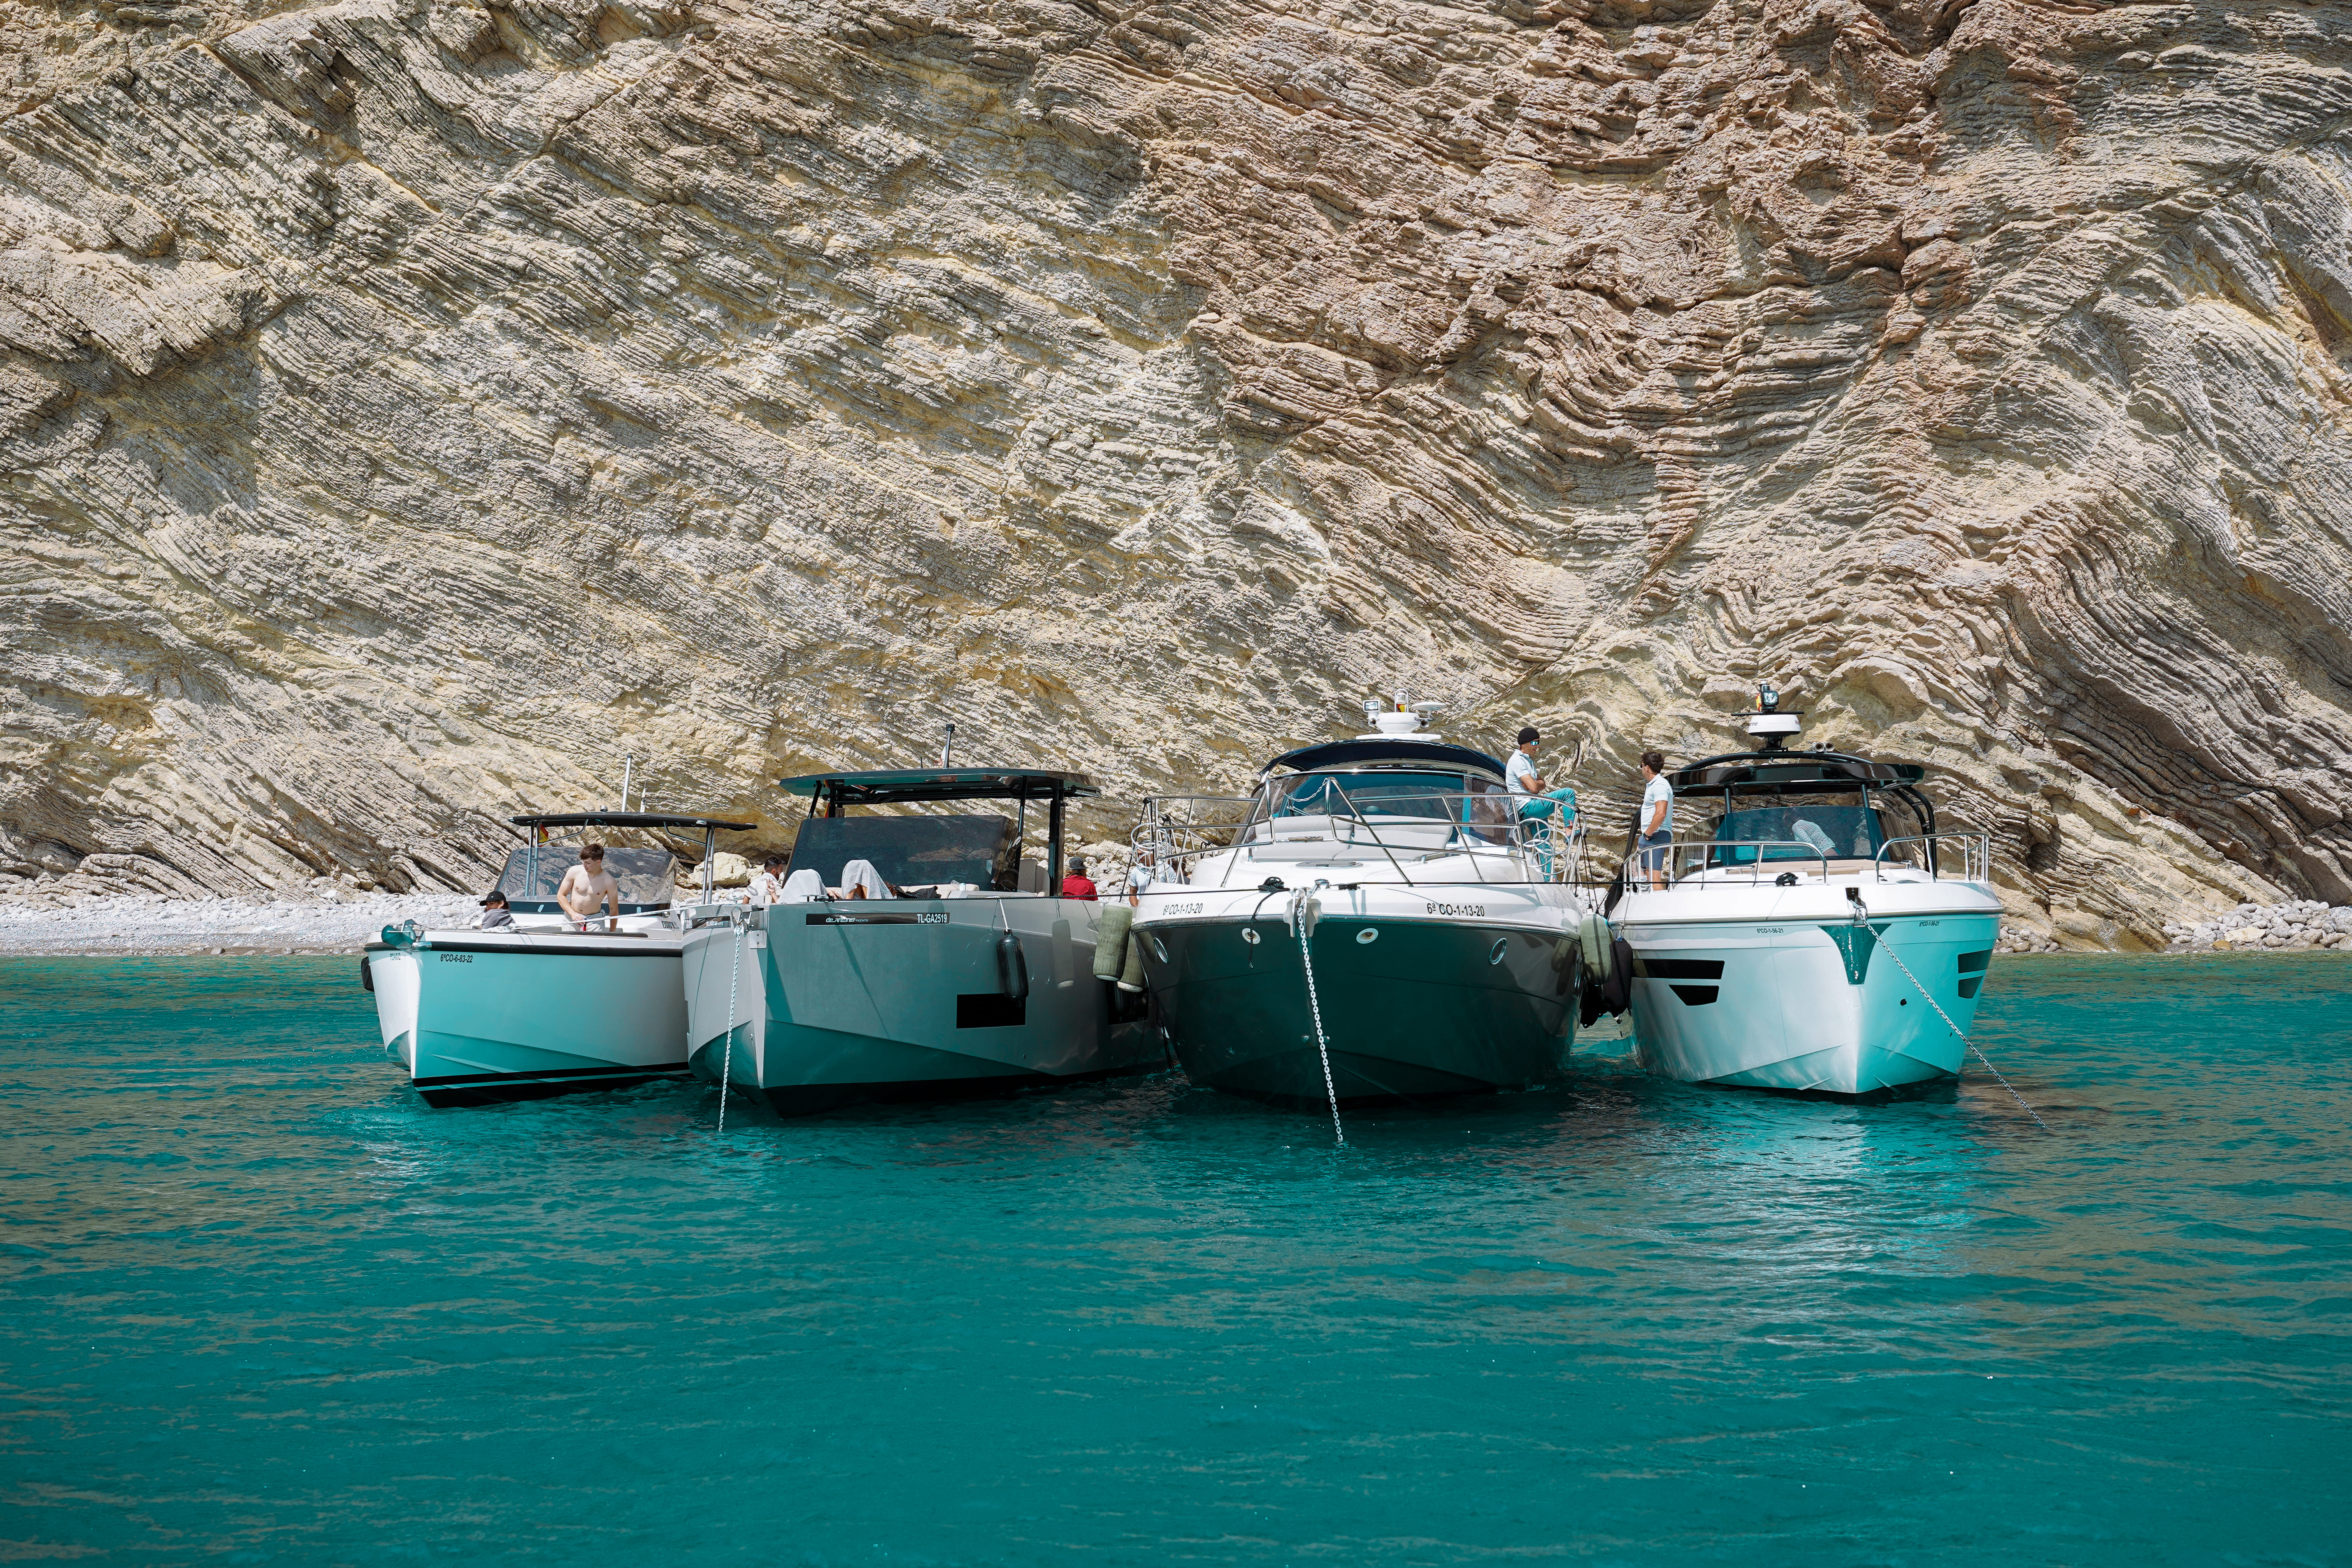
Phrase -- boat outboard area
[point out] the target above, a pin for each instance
(1377, 920)
(921, 951)
(1810, 926)
(551, 1004)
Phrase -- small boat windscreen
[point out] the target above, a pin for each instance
(645, 875)
(1386, 794)
(983, 849)
(1840, 830)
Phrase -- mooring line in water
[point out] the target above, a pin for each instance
(1315, 1006)
(1929, 997)
(727, 1054)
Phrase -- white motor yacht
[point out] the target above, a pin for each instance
(1375, 920)
(918, 955)
(1808, 927)
(551, 1005)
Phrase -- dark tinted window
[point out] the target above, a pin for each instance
(912, 850)
(1371, 795)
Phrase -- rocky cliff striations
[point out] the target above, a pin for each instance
(407, 408)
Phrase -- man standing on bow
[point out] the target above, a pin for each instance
(1657, 818)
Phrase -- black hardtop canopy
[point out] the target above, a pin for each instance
(630, 819)
(898, 786)
(1810, 770)
(1401, 750)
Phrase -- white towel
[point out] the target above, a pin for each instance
(804, 887)
(1811, 832)
(862, 874)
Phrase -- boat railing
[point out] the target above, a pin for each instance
(1972, 851)
(1179, 831)
(1686, 859)
(1704, 861)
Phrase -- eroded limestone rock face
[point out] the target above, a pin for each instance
(407, 408)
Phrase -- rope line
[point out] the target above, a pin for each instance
(727, 1054)
(1315, 1007)
(1974, 1048)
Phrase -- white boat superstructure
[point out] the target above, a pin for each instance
(1378, 920)
(549, 1005)
(917, 953)
(1789, 941)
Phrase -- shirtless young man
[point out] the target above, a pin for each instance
(587, 888)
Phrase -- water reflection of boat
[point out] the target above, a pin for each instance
(1791, 941)
(546, 1007)
(917, 956)
(1437, 920)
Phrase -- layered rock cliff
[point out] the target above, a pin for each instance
(408, 409)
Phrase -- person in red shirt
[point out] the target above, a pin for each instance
(1075, 885)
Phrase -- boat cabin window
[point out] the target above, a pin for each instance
(914, 851)
(1841, 828)
(534, 872)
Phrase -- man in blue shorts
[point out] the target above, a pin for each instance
(1657, 818)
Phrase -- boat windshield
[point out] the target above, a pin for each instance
(1381, 794)
(535, 871)
(1841, 829)
(983, 850)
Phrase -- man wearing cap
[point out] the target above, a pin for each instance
(496, 916)
(1537, 804)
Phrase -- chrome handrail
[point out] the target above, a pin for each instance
(1976, 854)
(1174, 838)
(1975, 851)
(1637, 876)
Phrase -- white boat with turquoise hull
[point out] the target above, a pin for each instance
(550, 1005)
(1788, 940)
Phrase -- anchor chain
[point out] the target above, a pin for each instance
(1862, 919)
(1302, 925)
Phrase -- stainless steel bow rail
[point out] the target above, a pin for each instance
(1179, 831)
(1704, 860)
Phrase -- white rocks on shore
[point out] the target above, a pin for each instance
(308, 921)
(2304, 923)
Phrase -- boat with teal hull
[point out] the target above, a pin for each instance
(1380, 919)
(1410, 1009)
(916, 967)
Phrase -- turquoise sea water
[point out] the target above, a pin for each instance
(262, 1305)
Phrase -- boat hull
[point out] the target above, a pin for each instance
(1815, 1005)
(481, 1019)
(907, 1000)
(1418, 1009)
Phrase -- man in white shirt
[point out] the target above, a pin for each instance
(768, 887)
(1657, 818)
(1141, 874)
(1537, 804)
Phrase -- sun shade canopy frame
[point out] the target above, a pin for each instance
(1399, 748)
(904, 786)
(631, 819)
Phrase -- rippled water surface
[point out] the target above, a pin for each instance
(261, 1304)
